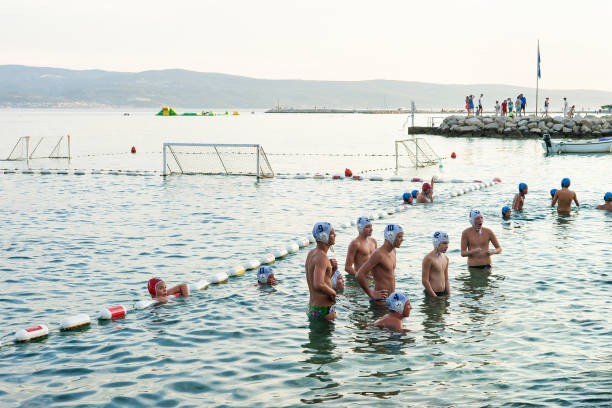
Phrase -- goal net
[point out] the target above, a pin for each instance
(418, 152)
(211, 158)
(21, 150)
(51, 148)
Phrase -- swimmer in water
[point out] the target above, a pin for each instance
(475, 243)
(608, 202)
(407, 198)
(382, 264)
(564, 197)
(519, 199)
(337, 281)
(361, 247)
(319, 270)
(506, 212)
(434, 271)
(415, 193)
(552, 193)
(399, 308)
(158, 291)
(426, 195)
(265, 276)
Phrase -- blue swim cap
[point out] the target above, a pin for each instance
(415, 193)
(608, 196)
(407, 196)
(392, 231)
(522, 186)
(565, 182)
(397, 301)
(552, 192)
(321, 231)
(263, 274)
(334, 279)
(504, 210)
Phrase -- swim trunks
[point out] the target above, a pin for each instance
(488, 266)
(437, 293)
(319, 312)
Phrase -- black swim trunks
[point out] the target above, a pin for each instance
(487, 266)
(437, 293)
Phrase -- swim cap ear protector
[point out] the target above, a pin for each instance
(505, 210)
(392, 231)
(473, 215)
(321, 232)
(552, 192)
(608, 196)
(565, 182)
(438, 238)
(415, 193)
(152, 285)
(334, 279)
(362, 222)
(397, 301)
(522, 186)
(407, 196)
(263, 273)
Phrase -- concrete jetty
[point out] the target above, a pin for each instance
(578, 127)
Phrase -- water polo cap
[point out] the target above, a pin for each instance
(415, 193)
(473, 215)
(321, 232)
(552, 192)
(334, 279)
(438, 238)
(608, 196)
(522, 186)
(392, 231)
(565, 182)
(504, 210)
(396, 302)
(152, 286)
(362, 222)
(407, 196)
(426, 186)
(263, 273)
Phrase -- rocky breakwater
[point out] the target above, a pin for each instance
(578, 127)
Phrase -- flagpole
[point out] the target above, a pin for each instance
(537, 79)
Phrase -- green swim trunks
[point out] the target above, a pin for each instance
(319, 312)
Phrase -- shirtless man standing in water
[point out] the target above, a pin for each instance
(319, 271)
(564, 197)
(475, 243)
(434, 273)
(382, 264)
(361, 247)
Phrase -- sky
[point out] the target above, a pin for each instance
(450, 42)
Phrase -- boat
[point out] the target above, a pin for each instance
(590, 146)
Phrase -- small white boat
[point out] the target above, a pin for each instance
(592, 146)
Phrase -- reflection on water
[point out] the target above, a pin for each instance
(435, 309)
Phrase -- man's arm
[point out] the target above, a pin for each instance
(350, 259)
(425, 268)
(576, 200)
(318, 279)
(183, 289)
(362, 274)
(446, 281)
(495, 243)
(432, 189)
(464, 245)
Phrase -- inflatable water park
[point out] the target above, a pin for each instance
(169, 111)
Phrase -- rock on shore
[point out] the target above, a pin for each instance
(525, 126)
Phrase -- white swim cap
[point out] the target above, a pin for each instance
(473, 215)
(438, 238)
(334, 279)
(263, 274)
(321, 232)
(362, 222)
(396, 302)
(392, 231)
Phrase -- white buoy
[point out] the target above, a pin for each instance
(292, 248)
(311, 239)
(399, 208)
(199, 285)
(279, 253)
(357, 177)
(391, 211)
(267, 259)
(74, 322)
(318, 176)
(44, 171)
(345, 225)
(62, 172)
(299, 176)
(353, 223)
(376, 178)
(396, 178)
(31, 333)
(373, 216)
(113, 312)
(252, 264)
(303, 242)
(27, 171)
(456, 181)
(143, 304)
(236, 270)
(382, 215)
(219, 278)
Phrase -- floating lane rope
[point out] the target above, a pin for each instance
(75, 322)
(113, 312)
(31, 333)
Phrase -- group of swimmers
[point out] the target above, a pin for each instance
(423, 196)
(562, 198)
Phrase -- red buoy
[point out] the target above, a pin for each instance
(416, 179)
(348, 173)
(453, 155)
(133, 149)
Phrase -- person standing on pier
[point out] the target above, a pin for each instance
(546, 107)
(517, 105)
(471, 103)
(565, 107)
(479, 113)
(497, 108)
(510, 105)
(467, 105)
(504, 107)
(523, 105)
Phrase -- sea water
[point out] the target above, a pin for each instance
(536, 331)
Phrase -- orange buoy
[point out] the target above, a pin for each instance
(497, 179)
(453, 155)
(133, 149)
(348, 173)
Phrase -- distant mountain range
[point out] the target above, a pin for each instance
(40, 87)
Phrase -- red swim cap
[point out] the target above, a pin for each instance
(426, 186)
(152, 286)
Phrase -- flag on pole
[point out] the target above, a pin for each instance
(539, 72)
